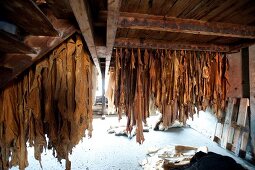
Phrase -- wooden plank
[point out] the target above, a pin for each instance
(227, 122)
(241, 121)
(172, 24)
(82, 14)
(157, 44)
(112, 22)
(242, 116)
(10, 44)
(218, 133)
(26, 14)
(232, 129)
(244, 142)
(43, 44)
(252, 96)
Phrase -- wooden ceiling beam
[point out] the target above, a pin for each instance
(10, 44)
(172, 24)
(82, 14)
(158, 44)
(42, 44)
(112, 23)
(32, 19)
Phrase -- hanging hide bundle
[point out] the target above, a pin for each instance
(176, 82)
(55, 99)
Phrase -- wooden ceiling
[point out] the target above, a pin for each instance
(29, 29)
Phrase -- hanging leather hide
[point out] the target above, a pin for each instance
(53, 98)
(177, 81)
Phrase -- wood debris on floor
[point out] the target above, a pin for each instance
(53, 99)
(169, 157)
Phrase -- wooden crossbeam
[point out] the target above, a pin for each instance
(172, 24)
(112, 21)
(158, 44)
(82, 14)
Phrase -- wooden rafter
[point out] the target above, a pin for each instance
(33, 19)
(158, 44)
(83, 16)
(112, 22)
(18, 63)
(172, 24)
(11, 44)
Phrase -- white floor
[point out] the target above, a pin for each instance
(109, 152)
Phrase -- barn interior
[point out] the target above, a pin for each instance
(192, 62)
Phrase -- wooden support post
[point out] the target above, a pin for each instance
(252, 96)
(103, 93)
(245, 72)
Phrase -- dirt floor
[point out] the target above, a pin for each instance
(109, 152)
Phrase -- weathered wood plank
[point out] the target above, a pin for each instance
(252, 96)
(82, 14)
(218, 133)
(31, 19)
(10, 44)
(241, 122)
(157, 44)
(232, 129)
(112, 21)
(172, 24)
(227, 122)
(242, 116)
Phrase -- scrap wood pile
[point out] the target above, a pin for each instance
(170, 157)
(53, 99)
(181, 157)
(176, 82)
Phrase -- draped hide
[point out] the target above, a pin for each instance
(176, 82)
(51, 100)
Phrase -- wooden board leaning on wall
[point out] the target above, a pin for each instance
(176, 82)
(52, 98)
